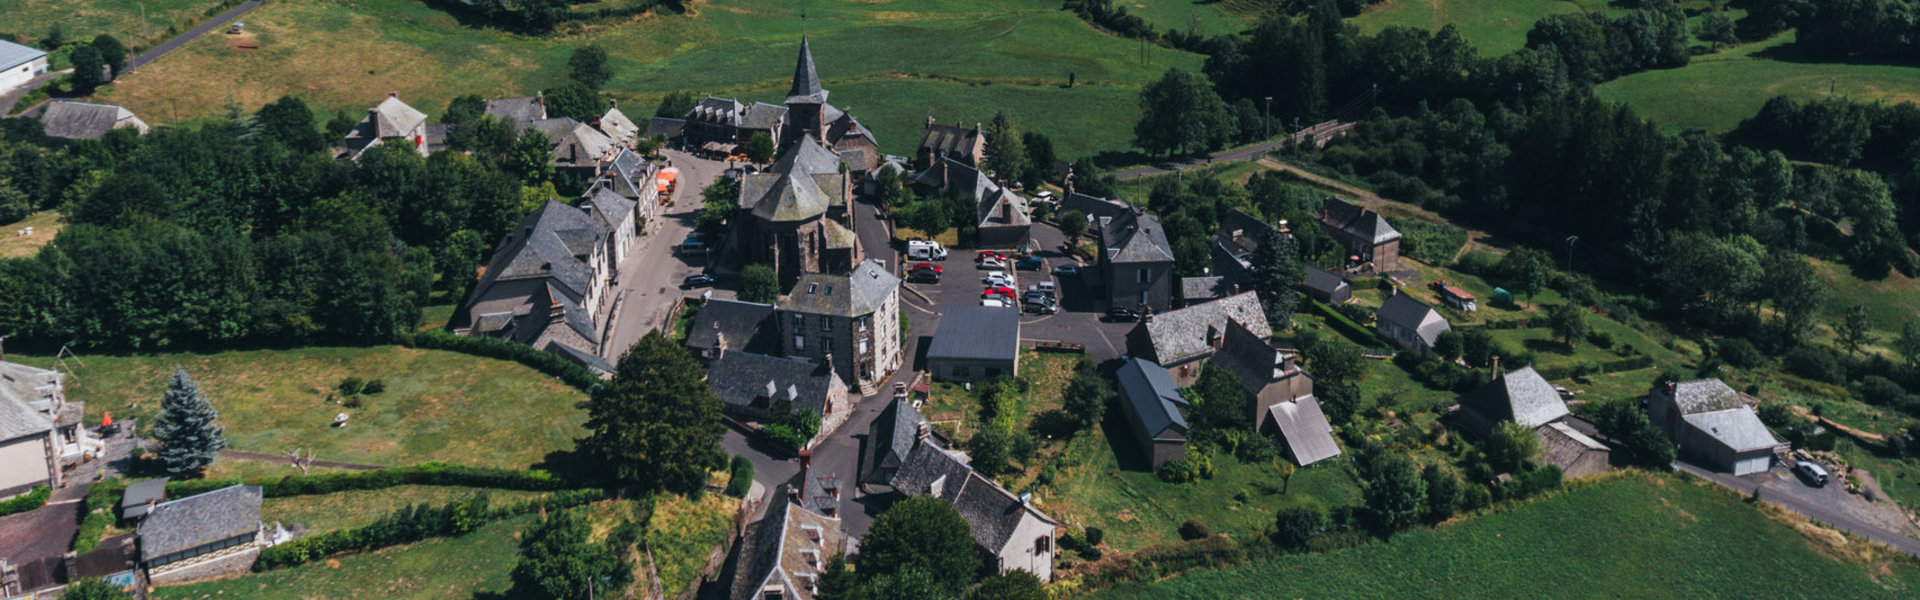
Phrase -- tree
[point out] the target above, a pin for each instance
(759, 147)
(837, 582)
(1293, 527)
(1040, 159)
(1477, 346)
(1512, 446)
(1641, 442)
(574, 100)
(1180, 112)
(289, 122)
(56, 37)
(1908, 344)
(888, 190)
(1335, 361)
(1006, 151)
(1072, 224)
(1443, 492)
(1526, 270)
(1086, 396)
(89, 69)
(558, 561)
(656, 426)
(1395, 493)
(759, 284)
(675, 105)
(111, 51)
(1276, 272)
(1569, 323)
(924, 534)
(588, 65)
(1717, 29)
(531, 159)
(188, 435)
(92, 588)
(1449, 344)
(1011, 585)
(1854, 331)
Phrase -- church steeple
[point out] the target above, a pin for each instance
(806, 83)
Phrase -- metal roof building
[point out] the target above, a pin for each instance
(975, 343)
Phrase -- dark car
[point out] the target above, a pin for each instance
(1067, 270)
(697, 280)
(1031, 263)
(923, 276)
(1120, 314)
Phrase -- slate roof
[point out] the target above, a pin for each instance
(520, 112)
(783, 197)
(1305, 428)
(1180, 335)
(896, 430)
(977, 333)
(1094, 206)
(764, 116)
(13, 55)
(1241, 233)
(1737, 428)
(806, 83)
(771, 554)
(1357, 221)
(575, 144)
(617, 126)
(1204, 288)
(195, 521)
(608, 208)
(26, 393)
(591, 361)
(81, 120)
(739, 378)
(746, 326)
(666, 127)
(858, 293)
(845, 126)
(1134, 238)
(1705, 395)
(1323, 281)
(1521, 396)
(1401, 309)
(1152, 394)
(133, 501)
(546, 244)
(806, 156)
(991, 512)
(17, 420)
(1252, 360)
(630, 174)
(722, 110)
(948, 139)
(927, 465)
(1003, 208)
(946, 173)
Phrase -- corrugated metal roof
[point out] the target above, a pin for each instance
(977, 332)
(1305, 429)
(13, 55)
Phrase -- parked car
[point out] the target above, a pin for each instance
(998, 290)
(995, 276)
(993, 263)
(1121, 314)
(1031, 263)
(993, 302)
(986, 254)
(928, 265)
(1815, 474)
(1066, 270)
(1045, 286)
(925, 250)
(697, 280)
(1045, 307)
(923, 276)
(695, 248)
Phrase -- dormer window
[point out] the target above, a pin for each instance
(812, 531)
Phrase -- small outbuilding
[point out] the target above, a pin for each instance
(1155, 409)
(1326, 286)
(975, 343)
(141, 497)
(215, 534)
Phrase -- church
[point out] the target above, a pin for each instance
(723, 125)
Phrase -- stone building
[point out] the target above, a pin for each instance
(1136, 261)
(850, 321)
(1372, 243)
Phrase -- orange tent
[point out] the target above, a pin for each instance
(106, 420)
(666, 179)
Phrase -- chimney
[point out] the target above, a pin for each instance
(395, 94)
(611, 103)
(929, 120)
(1006, 211)
(1026, 499)
(1495, 376)
(925, 431)
(719, 343)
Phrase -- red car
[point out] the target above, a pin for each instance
(986, 254)
(998, 290)
(924, 266)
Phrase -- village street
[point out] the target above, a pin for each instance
(648, 283)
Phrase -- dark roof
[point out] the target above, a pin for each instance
(845, 126)
(1521, 396)
(783, 197)
(1357, 221)
(520, 111)
(1204, 288)
(746, 327)
(1134, 237)
(977, 332)
(991, 512)
(26, 396)
(1003, 208)
(896, 430)
(1739, 429)
(581, 357)
(1093, 206)
(1150, 392)
(17, 420)
(1179, 335)
(723, 110)
(667, 127)
(806, 83)
(133, 501)
(1401, 309)
(549, 244)
(946, 173)
(764, 116)
(858, 293)
(927, 465)
(1323, 281)
(948, 139)
(607, 207)
(81, 120)
(1242, 233)
(1305, 429)
(1252, 360)
(741, 378)
(806, 156)
(1704, 395)
(775, 549)
(195, 521)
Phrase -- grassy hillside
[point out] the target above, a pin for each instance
(83, 19)
(886, 62)
(1494, 26)
(1639, 536)
(437, 405)
(1715, 91)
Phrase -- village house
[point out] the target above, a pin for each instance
(1233, 244)
(724, 125)
(733, 326)
(41, 437)
(757, 387)
(891, 437)
(19, 65)
(850, 322)
(579, 150)
(783, 555)
(71, 120)
(975, 343)
(545, 284)
(1326, 286)
(798, 220)
(1525, 398)
(1200, 290)
(615, 124)
(966, 145)
(519, 112)
(1372, 244)
(1094, 207)
(390, 122)
(1155, 411)
(1005, 219)
(211, 535)
(1409, 324)
(636, 179)
(1280, 395)
(1136, 262)
(1183, 340)
(1713, 424)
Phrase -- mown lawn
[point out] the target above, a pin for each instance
(83, 19)
(437, 406)
(1207, 17)
(1496, 27)
(45, 226)
(460, 567)
(1716, 91)
(1637, 536)
(891, 64)
(354, 508)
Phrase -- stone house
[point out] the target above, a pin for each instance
(545, 285)
(733, 326)
(1409, 324)
(1280, 395)
(1325, 286)
(1136, 262)
(784, 554)
(1368, 238)
(753, 386)
(1183, 340)
(851, 322)
(1009, 531)
(1713, 424)
(966, 145)
(1232, 246)
(86, 121)
(390, 122)
(975, 343)
(211, 535)
(519, 112)
(41, 437)
(724, 125)
(1527, 399)
(1155, 411)
(1005, 219)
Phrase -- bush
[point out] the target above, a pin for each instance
(1095, 536)
(34, 498)
(784, 437)
(1740, 353)
(1294, 528)
(101, 503)
(374, 387)
(1880, 391)
(352, 385)
(412, 524)
(1600, 339)
(1194, 467)
(1816, 364)
(740, 476)
(1775, 414)
(1193, 529)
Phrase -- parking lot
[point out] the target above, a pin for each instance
(1078, 320)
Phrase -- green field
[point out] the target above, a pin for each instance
(891, 63)
(1716, 91)
(1496, 27)
(83, 19)
(461, 567)
(438, 405)
(1638, 536)
(354, 508)
(682, 532)
(1207, 17)
(45, 226)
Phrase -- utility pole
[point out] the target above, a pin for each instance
(143, 22)
(1570, 241)
(1296, 138)
(1266, 120)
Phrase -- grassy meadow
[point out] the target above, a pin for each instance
(1716, 91)
(1494, 26)
(460, 567)
(355, 508)
(45, 226)
(1631, 536)
(683, 531)
(437, 406)
(29, 20)
(892, 64)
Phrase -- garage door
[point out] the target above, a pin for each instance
(1752, 464)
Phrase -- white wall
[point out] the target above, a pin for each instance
(21, 74)
(23, 462)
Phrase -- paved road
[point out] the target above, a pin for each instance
(1319, 135)
(203, 28)
(1816, 504)
(648, 283)
(8, 99)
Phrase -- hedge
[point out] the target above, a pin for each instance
(1360, 335)
(1613, 366)
(432, 473)
(101, 511)
(412, 524)
(549, 363)
(35, 498)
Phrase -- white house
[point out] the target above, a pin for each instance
(19, 64)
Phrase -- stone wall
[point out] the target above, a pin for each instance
(231, 562)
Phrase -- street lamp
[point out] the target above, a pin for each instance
(1266, 120)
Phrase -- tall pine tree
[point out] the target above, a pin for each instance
(189, 438)
(1276, 271)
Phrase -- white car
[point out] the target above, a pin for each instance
(992, 263)
(999, 277)
(994, 302)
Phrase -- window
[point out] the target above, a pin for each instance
(826, 324)
(1042, 545)
(962, 372)
(860, 346)
(799, 321)
(861, 323)
(1143, 276)
(799, 342)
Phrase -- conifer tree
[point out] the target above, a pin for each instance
(189, 438)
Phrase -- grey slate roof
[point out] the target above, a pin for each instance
(591, 361)
(547, 244)
(806, 83)
(977, 332)
(1704, 395)
(1737, 428)
(26, 394)
(896, 430)
(991, 512)
(926, 466)
(1357, 221)
(1003, 208)
(17, 420)
(608, 208)
(393, 118)
(1323, 281)
(1521, 396)
(771, 552)
(133, 501)
(1179, 335)
(858, 293)
(1093, 206)
(81, 120)
(1134, 238)
(740, 378)
(764, 116)
(842, 127)
(1204, 288)
(746, 327)
(1305, 429)
(1401, 309)
(721, 110)
(1242, 233)
(946, 173)
(1151, 393)
(806, 156)
(783, 197)
(520, 112)
(13, 55)
(1253, 360)
(948, 139)
(194, 521)
(666, 127)
(617, 126)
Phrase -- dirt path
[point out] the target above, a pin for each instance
(287, 461)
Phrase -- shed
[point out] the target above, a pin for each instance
(141, 497)
(1325, 286)
(975, 343)
(1155, 410)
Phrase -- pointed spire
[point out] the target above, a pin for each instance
(806, 83)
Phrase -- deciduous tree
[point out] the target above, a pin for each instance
(559, 561)
(1395, 493)
(759, 147)
(1569, 323)
(924, 534)
(588, 65)
(758, 283)
(656, 426)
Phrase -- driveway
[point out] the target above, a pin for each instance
(13, 97)
(1831, 505)
(648, 284)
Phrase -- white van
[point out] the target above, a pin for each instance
(925, 250)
